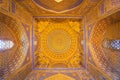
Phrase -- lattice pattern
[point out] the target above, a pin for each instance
(115, 44)
(97, 38)
(6, 44)
(13, 58)
(103, 37)
(112, 44)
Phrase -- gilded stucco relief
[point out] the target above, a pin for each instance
(58, 43)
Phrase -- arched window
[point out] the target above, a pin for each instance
(115, 44)
(6, 44)
(112, 44)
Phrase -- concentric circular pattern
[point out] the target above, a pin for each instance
(58, 42)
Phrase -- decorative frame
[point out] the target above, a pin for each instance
(84, 46)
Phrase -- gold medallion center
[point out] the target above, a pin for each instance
(59, 41)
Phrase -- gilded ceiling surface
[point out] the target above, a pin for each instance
(59, 39)
(67, 7)
(58, 42)
(57, 5)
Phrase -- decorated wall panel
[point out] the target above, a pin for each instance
(12, 59)
(106, 29)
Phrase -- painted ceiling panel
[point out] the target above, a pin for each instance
(58, 43)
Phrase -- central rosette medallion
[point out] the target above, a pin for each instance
(59, 41)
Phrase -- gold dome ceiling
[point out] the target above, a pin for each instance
(58, 42)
